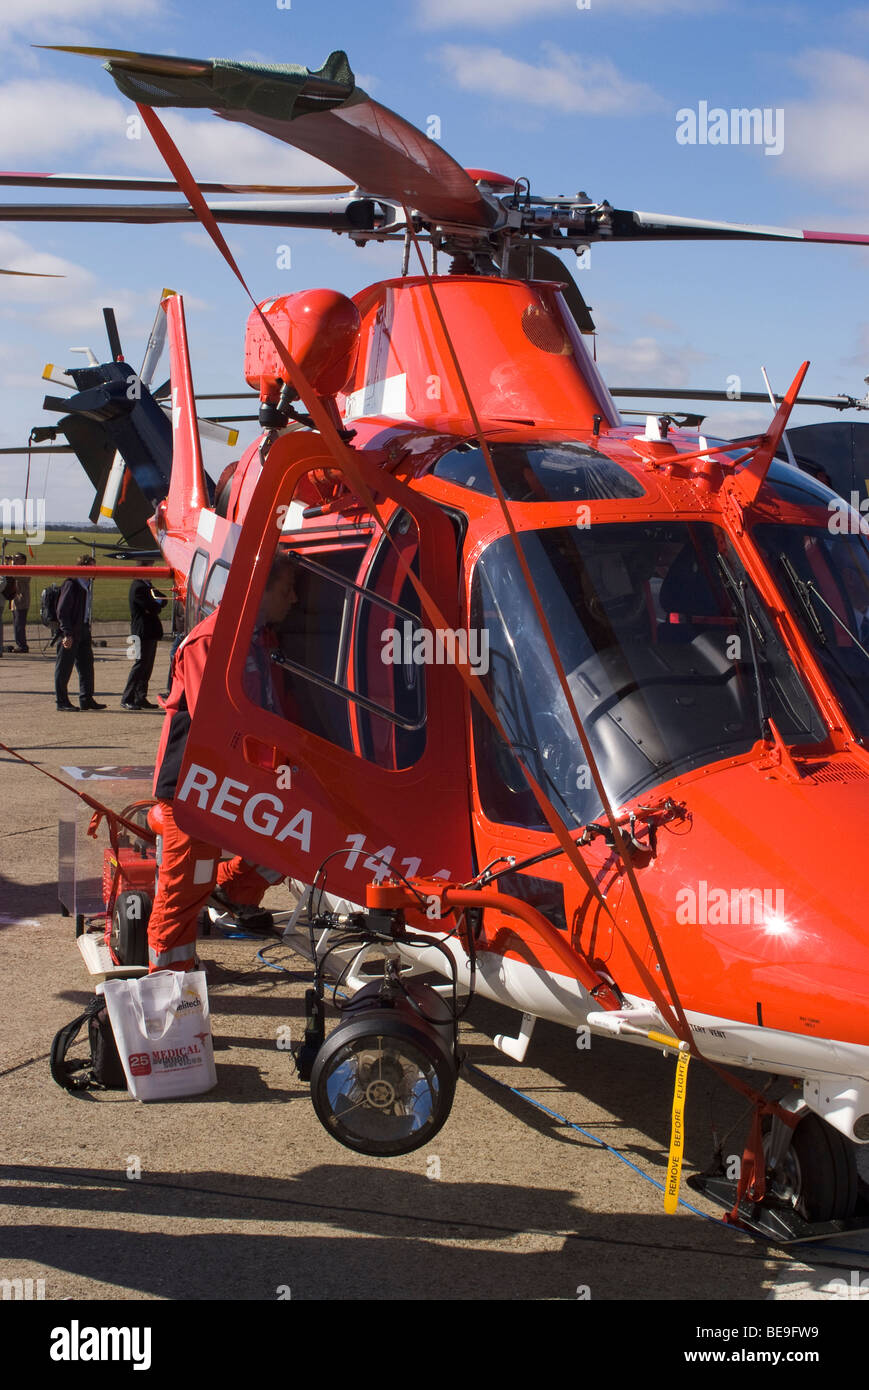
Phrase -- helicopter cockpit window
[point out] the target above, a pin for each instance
(825, 576)
(539, 472)
(794, 485)
(391, 724)
(214, 588)
(195, 580)
(670, 657)
(336, 656)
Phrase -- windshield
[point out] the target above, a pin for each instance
(826, 575)
(565, 472)
(670, 657)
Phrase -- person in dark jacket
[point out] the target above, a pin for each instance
(74, 647)
(145, 632)
(20, 605)
(7, 591)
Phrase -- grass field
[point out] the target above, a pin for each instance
(110, 595)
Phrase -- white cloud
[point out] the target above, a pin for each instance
(68, 310)
(825, 135)
(561, 82)
(861, 357)
(41, 120)
(62, 21)
(16, 254)
(71, 124)
(495, 14)
(733, 423)
(644, 361)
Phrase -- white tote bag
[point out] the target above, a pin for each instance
(162, 1028)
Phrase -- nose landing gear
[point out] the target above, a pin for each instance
(798, 1179)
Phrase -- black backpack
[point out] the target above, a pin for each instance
(8, 587)
(48, 605)
(106, 1071)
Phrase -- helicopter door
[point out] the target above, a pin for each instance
(326, 734)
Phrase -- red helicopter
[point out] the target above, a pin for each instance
(564, 709)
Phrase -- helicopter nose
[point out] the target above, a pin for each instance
(765, 900)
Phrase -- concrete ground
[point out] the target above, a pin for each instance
(241, 1193)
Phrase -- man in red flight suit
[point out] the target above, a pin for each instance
(190, 868)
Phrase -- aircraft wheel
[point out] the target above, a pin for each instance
(129, 937)
(818, 1175)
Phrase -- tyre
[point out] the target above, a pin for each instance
(129, 937)
(818, 1176)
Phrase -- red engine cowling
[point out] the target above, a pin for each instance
(320, 328)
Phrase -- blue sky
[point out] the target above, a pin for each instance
(571, 98)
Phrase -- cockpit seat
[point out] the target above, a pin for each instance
(688, 598)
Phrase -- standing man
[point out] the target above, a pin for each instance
(20, 605)
(145, 631)
(190, 869)
(7, 591)
(74, 646)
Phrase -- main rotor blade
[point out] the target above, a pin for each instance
(323, 113)
(336, 214)
(41, 449)
(622, 225)
(667, 393)
(119, 183)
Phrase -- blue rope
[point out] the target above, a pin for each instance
(270, 963)
(595, 1140)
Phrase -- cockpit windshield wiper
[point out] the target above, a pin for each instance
(738, 589)
(802, 592)
(804, 588)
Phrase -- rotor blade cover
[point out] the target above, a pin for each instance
(323, 113)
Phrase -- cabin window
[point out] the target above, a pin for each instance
(345, 650)
(651, 631)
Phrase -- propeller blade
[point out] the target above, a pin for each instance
(655, 226)
(156, 344)
(115, 349)
(322, 113)
(33, 274)
(212, 428)
(120, 183)
(153, 351)
(529, 261)
(338, 214)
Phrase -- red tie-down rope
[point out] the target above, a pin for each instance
(679, 1022)
(760, 456)
(352, 468)
(113, 818)
(672, 1011)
